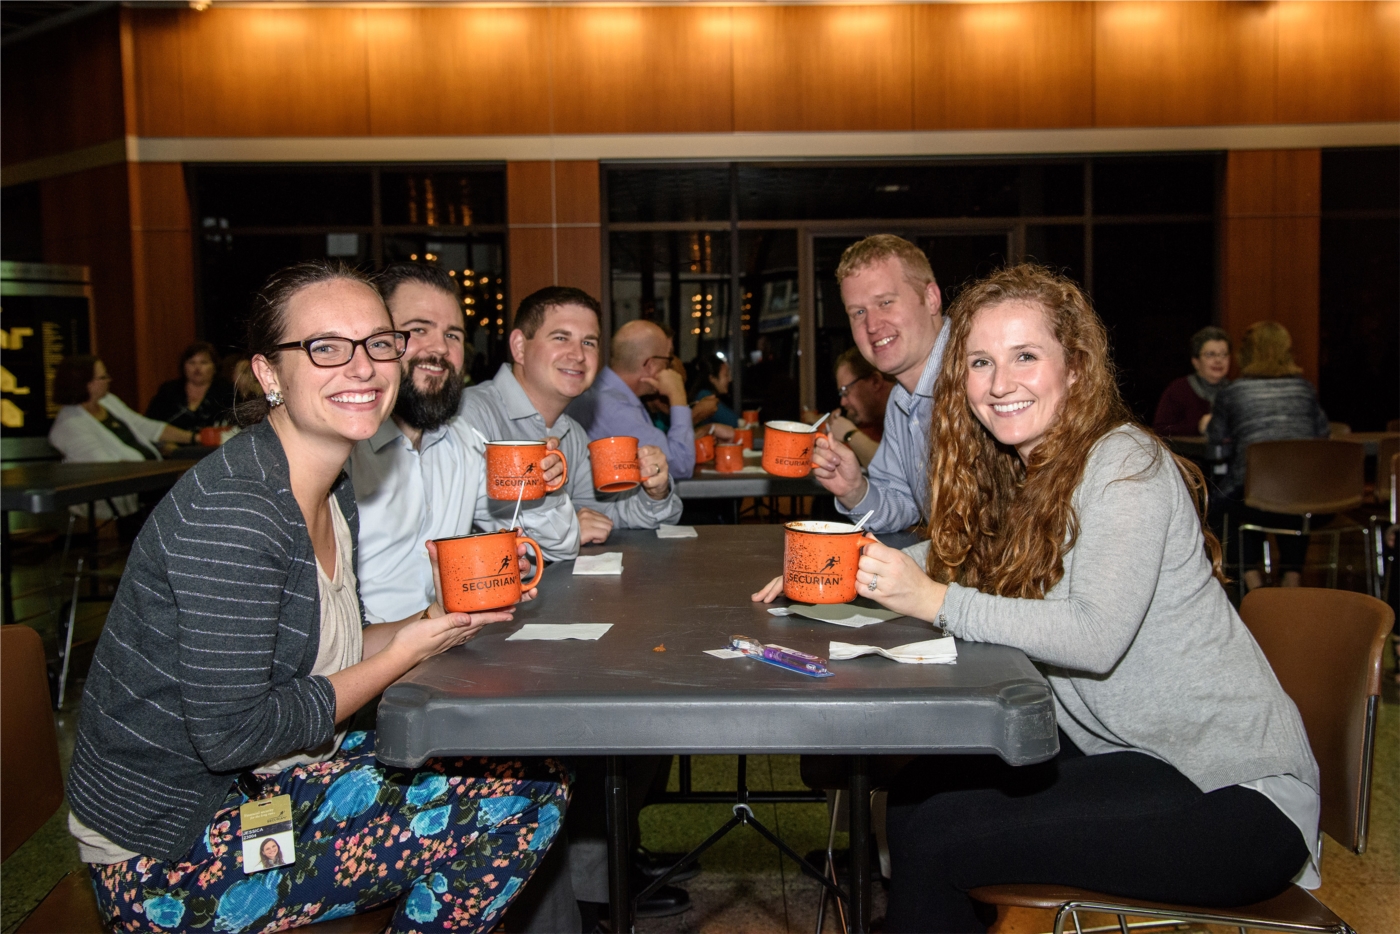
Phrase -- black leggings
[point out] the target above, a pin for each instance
(1123, 824)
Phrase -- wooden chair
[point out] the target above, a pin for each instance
(31, 790)
(1307, 478)
(1325, 648)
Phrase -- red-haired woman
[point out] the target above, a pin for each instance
(1062, 528)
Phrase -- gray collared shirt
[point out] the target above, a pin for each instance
(898, 474)
(501, 411)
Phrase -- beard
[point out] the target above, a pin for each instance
(433, 408)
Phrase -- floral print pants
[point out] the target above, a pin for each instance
(459, 836)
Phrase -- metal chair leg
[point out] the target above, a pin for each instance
(68, 637)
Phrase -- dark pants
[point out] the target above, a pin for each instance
(1293, 549)
(1123, 823)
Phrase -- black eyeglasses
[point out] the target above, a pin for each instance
(338, 351)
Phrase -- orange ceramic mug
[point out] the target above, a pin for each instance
(512, 463)
(750, 416)
(482, 571)
(615, 464)
(729, 458)
(744, 437)
(787, 448)
(211, 437)
(704, 449)
(820, 561)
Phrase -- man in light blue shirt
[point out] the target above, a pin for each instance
(895, 310)
(423, 474)
(641, 365)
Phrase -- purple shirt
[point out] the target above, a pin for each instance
(610, 407)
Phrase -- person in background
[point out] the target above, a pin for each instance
(1059, 527)
(200, 397)
(1271, 401)
(1184, 408)
(236, 651)
(641, 365)
(95, 426)
(710, 378)
(554, 346)
(864, 393)
(895, 310)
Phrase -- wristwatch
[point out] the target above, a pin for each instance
(846, 438)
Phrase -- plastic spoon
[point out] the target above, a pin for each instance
(518, 500)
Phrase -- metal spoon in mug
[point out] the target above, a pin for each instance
(861, 523)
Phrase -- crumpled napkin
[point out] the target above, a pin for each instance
(676, 531)
(609, 562)
(942, 651)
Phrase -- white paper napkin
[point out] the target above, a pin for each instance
(724, 653)
(556, 632)
(750, 452)
(842, 614)
(751, 468)
(676, 531)
(609, 562)
(942, 651)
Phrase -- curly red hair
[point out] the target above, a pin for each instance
(997, 524)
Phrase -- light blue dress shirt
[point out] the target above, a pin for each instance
(408, 496)
(898, 473)
(610, 408)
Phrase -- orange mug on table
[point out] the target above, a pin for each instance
(787, 448)
(615, 464)
(482, 571)
(820, 561)
(750, 416)
(729, 458)
(704, 449)
(211, 437)
(509, 464)
(744, 438)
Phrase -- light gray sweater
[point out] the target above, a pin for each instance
(1138, 641)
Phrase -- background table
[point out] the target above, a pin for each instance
(708, 483)
(622, 696)
(48, 487)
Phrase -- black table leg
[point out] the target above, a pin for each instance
(860, 845)
(619, 847)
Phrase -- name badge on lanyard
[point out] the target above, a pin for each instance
(268, 841)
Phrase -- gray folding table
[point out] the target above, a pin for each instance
(622, 696)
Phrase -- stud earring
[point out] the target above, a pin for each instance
(274, 399)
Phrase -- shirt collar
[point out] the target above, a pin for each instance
(517, 404)
(608, 379)
(906, 399)
(390, 431)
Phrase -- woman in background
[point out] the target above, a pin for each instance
(710, 376)
(1271, 401)
(200, 397)
(1184, 408)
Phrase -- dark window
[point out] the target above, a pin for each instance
(22, 240)
(895, 191)
(1361, 179)
(677, 278)
(258, 197)
(687, 195)
(1162, 185)
(1059, 247)
(232, 270)
(1154, 286)
(448, 199)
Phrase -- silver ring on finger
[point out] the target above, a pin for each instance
(874, 582)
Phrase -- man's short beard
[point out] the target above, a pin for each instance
(428, 410)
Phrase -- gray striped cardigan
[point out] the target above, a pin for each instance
(203, 669)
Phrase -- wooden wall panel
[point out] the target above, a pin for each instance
(531, 251)
(87, 222)
(162, 262)
(642, 70)
(823, 68)
(580, 259)
(1271, 233)
(1338, 62)
(1003, 65)
(529, 199)
(62, 90)
(1183, 64)
(158, 75)
(458, 72)
(555, 237)
(275, 72)
(577, 192)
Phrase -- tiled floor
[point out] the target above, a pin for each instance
(746, 886)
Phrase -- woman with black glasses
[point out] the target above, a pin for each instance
(235, 652)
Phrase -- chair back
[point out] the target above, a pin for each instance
(1386, 450)
(1325, 648)
(1306, 476)
(31, 785)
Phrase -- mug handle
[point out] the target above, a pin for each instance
(867, 537)
(520, 536)
(563, 478)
